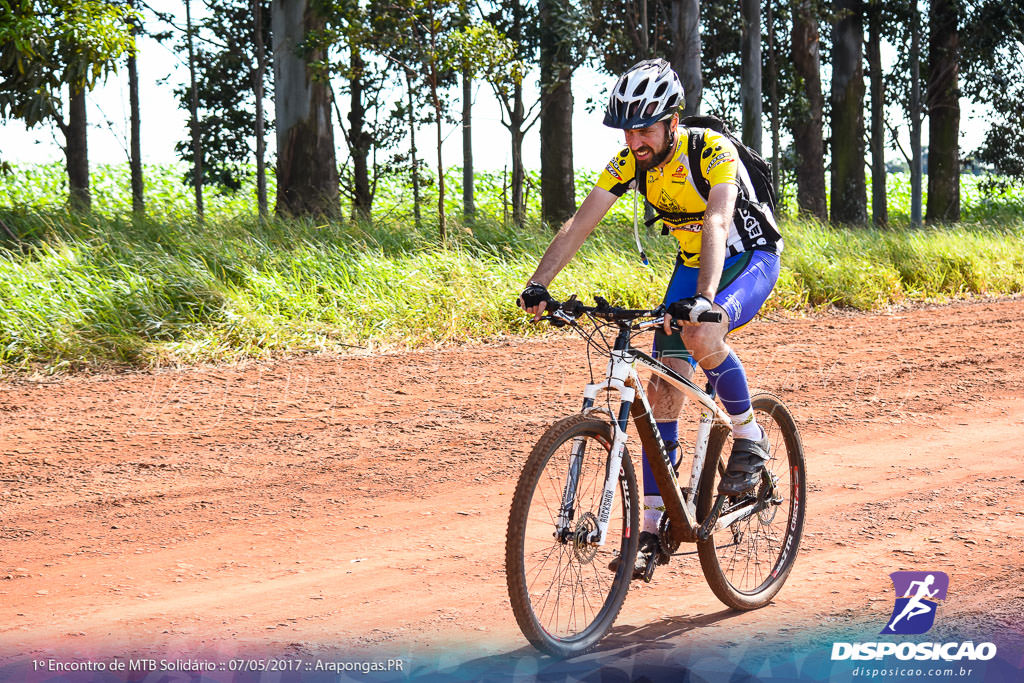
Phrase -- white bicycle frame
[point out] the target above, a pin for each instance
(622, 376)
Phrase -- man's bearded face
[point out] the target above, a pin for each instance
(650, 145)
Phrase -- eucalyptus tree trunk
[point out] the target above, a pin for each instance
(684, 27)
(434, 78)
(468, 206)
(518, 179)
(557, 182)
(417, 217)
(773, 96)
(442, 224)
(359, 140)
(849, 193)
(879, 209)
(257, 88)
(645, 47)
(197, 145)
(915, 118)
(135, 160)
(943, 113)
(808, 116)
(307, 170)
(516, 128)
(750, 72)
(77, 151)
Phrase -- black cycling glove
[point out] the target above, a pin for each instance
(689, 308)
(533, 295)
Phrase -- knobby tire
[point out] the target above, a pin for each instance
(563, 594)
(747, 563)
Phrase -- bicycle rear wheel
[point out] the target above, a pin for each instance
(563, 593)
(747, 563)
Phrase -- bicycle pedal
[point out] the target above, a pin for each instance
(649, 570)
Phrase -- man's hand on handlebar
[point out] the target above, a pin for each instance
(534, 300)
(687, 311)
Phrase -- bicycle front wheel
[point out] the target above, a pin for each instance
(747, 563)
(566, 591)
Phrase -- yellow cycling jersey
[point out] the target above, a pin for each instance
(673, 192)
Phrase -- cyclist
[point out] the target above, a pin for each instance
(728, 261)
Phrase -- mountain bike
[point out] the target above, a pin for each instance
(573, 526)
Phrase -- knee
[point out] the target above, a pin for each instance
(706, 343)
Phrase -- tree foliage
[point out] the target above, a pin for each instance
(992, 72)
(46, 45)
(225, 69)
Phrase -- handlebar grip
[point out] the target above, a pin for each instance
(705, 317)
(710, 317)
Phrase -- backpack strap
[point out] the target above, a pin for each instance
(702, 184)
(694, 148)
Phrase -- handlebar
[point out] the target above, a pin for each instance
(561, 313)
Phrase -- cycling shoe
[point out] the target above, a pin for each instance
(745, 464)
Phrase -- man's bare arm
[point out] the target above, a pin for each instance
(714, 234)
(572, 235)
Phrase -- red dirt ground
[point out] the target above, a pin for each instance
(324, 502)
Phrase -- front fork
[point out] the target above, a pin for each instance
(614, 466)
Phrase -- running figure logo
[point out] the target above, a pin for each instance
(917, 596)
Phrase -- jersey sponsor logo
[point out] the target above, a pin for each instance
(723, 158)
(666, 203)
(752, 226)
(688, 227)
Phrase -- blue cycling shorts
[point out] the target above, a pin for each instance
(747, 280)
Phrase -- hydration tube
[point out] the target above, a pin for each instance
(636, 232)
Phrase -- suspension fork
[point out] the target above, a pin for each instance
(614, 467)
(567, 511)
(618, 375)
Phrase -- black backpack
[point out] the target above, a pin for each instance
(759, 170)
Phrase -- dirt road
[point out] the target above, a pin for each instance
(326, 502)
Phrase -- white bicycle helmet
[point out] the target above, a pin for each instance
(650, 91)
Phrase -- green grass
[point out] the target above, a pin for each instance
(107, 289)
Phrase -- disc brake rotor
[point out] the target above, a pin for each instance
(582, 547)
(768, 512)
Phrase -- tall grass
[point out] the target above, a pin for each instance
(108, 288)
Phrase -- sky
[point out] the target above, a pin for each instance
(164, 123)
